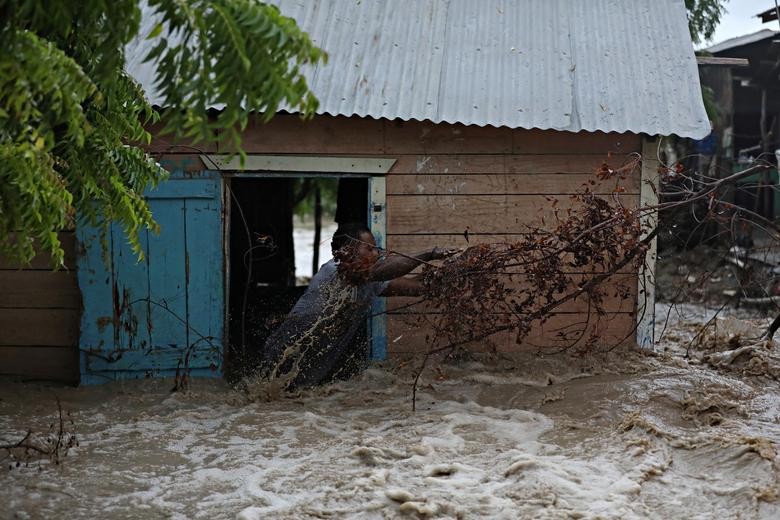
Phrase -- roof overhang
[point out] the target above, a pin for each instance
(503, 63)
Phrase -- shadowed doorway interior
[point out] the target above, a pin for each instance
(268, 216)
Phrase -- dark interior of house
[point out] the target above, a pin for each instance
(263, 286)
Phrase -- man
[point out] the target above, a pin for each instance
(315, 344)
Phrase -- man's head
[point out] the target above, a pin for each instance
(355, 250)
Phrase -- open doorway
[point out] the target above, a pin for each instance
(280, 233)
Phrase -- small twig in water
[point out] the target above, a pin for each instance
(53, 446)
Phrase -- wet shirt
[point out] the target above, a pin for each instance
(315, 341)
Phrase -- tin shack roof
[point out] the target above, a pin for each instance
(740, 41)
(608, 65)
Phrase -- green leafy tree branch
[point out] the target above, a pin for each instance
(73, 122)
(704, 17)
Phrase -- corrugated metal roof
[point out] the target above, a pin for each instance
(609, 65)
(739, 41)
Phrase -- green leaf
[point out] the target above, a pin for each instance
(154, 33)
(72, 120)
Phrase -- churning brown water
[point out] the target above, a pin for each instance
(625, 435)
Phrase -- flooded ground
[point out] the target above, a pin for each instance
(623, 435)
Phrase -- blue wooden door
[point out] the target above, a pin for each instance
(166, 312)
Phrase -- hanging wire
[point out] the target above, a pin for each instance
(248, 266)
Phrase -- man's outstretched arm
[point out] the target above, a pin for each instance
(404, 286)
(395, 265)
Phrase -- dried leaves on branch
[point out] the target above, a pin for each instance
(513, 287)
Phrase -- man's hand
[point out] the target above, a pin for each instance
(439, 253)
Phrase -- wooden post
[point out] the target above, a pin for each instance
(645, 307)
(377, 221)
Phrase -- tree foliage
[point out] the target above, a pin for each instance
(304, 191)
(704, 17)
(72, 121)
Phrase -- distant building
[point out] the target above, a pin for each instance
(748, 104)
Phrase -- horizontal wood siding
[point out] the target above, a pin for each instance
(462, 199)
(42, 261)
(454, 185)
(407, 334)
(337, 135)
(27, 289)
(505, 184)
(39, 317)
(448, 214)
(613, 289)
(40, 363)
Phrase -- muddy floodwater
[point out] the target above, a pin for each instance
(623, 435)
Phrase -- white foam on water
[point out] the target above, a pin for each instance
(483, 444)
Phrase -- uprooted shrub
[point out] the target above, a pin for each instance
(512, 287)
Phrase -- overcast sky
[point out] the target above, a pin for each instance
(740, 19)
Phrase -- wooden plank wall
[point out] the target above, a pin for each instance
(490, 189)
(449, 179)
(39, 318)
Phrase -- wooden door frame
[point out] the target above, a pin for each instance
(377, 222)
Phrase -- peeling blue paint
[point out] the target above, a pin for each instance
(145, 319)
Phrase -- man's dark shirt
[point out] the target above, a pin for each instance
(315, 341)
